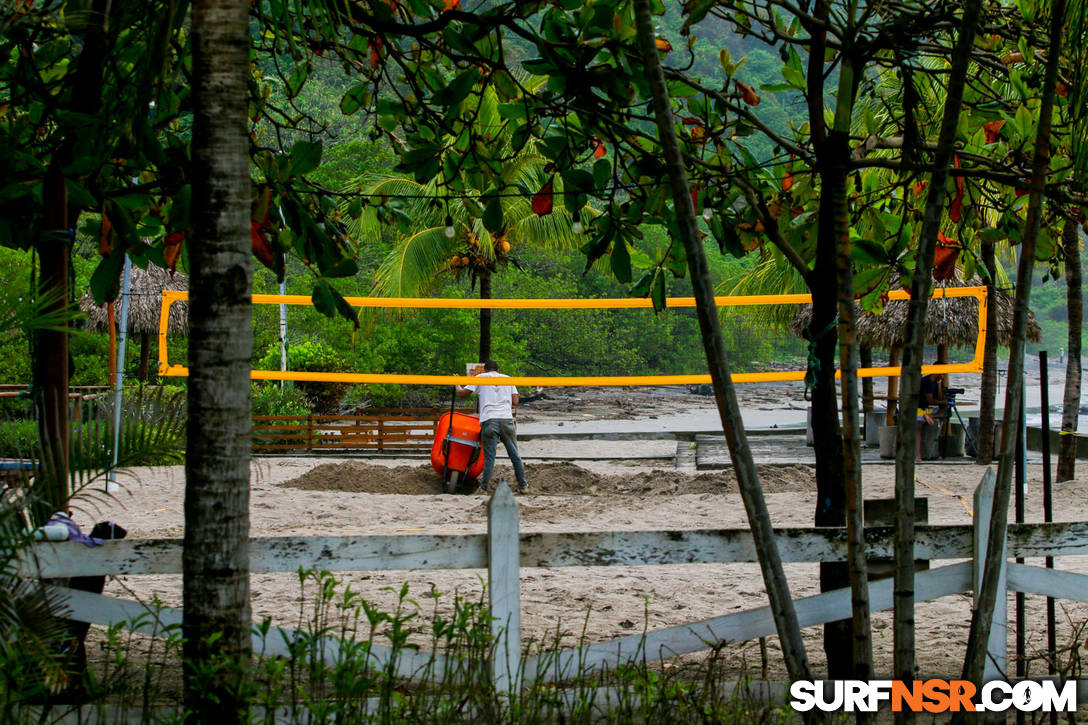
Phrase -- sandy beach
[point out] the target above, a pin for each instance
(582, 485)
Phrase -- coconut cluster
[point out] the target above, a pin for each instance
(471, 255)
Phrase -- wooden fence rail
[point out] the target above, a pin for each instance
(397, 552)
(503, 551)
(376, 430)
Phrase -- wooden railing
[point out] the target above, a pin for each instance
(378, 430)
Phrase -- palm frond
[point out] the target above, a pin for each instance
(34, 312)
(412, 266)
(551, 233)
(409, 196)
(772, 276)
(152, 431)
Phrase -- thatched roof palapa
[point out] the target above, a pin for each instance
(951, 321)
(145, 303)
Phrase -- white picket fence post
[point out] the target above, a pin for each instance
(504, 588)
(997, 645)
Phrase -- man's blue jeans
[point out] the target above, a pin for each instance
(491, 432)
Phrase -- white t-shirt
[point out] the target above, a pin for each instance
(495, 400)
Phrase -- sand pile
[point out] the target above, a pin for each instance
(547, 478)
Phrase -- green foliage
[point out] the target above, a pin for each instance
(152, 433)
(1050, 304)
(312, 356)
(18, 438)
(330, 672)
(270, 399)
(14, 290)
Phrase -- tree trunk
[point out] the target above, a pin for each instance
(215, 560)
(826, 430)
(910, 379)
(982, 616)
(145, 354)
(485, 317)
(862, 649)
(984, 452)
(836, 172)
(867, 403)
(778, 592)
(50, 365)
(51, 351)
(893, 388)
(1067, 445)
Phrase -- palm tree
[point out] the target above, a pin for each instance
(466, 235)
(1067, 445)
(215, 559)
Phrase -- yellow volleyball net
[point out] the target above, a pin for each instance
(169, 297)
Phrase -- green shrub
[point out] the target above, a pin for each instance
(270, 399)
(17, 407)
(18, 438)
(311, 357)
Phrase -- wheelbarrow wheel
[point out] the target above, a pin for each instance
(452, 479)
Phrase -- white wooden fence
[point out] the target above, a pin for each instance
(502, 551)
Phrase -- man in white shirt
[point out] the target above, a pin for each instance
(498, 410)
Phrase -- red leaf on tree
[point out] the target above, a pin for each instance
(787, 182)
(955, 211)
(663, 45)
(993, 131)
(544, 199)
(376, 45)
(105, 236)
(171, 249)
(919, 186)
(747, 93)
(698, 131)
(450, 4)
(1062, 90)
(944, 258)
(599, 149)
(262, 250)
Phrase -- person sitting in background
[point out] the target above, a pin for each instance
(931, 403)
